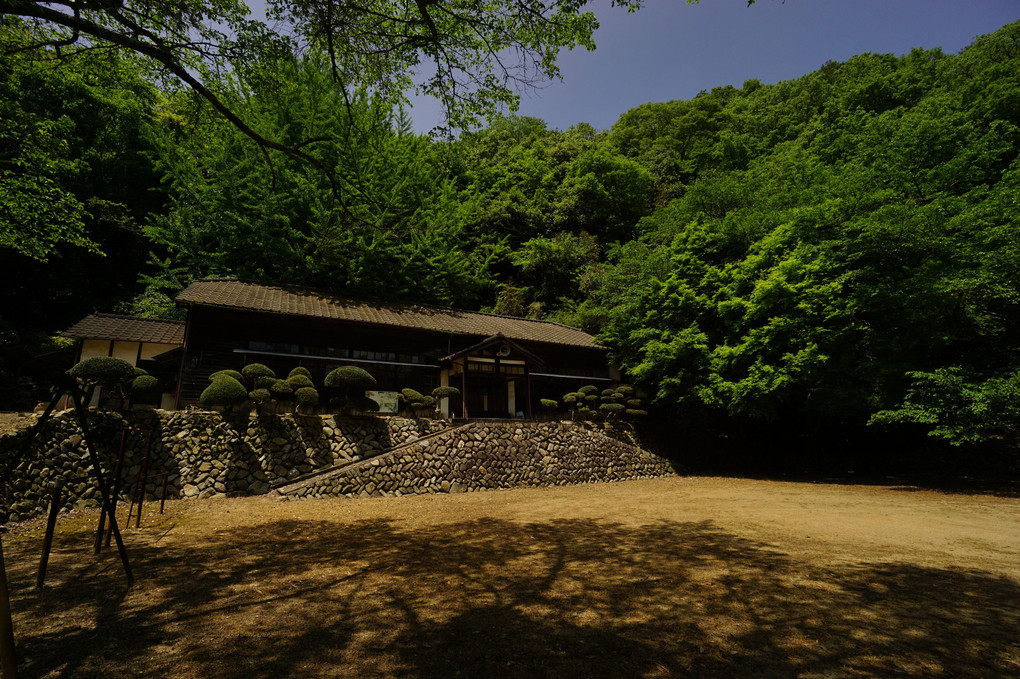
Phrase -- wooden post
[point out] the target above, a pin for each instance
(463, 390)
(527, 381)
(51, 523)
(101, 482)
(8, 658)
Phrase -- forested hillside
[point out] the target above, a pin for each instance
(827, 253)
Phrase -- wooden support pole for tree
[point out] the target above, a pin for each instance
(8, 657)
(79, 409)
(116, 488)
(51, 524)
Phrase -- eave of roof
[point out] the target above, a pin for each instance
(120, 327)
(235, 294)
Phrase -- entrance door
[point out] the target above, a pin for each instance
(487, 396)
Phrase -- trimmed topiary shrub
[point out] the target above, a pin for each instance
(349, 377)
(440, 393)
(144, 385)
(305, 397)
(635, 412)
(589, 390)
(300, 382)
(224, 391)
(264, 382)
(351, 381)
(611, 410)
(253, 371)
(281, 391)
(260, 396)
(299, 371)
(227, 373)
(104, 371)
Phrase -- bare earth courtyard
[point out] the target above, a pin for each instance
(679, 577)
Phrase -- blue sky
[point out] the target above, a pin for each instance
(671, 50)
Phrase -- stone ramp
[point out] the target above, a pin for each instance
(324, 475)
(489, 455)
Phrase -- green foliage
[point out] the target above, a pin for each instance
(104, 371)
(260, 396)
(351, 382)
(227, 373)
(827, 248)
(281, 390)
(349, 377)
(253, 371)
(445, 392)
(300, 381)
(263, 382)
(960, 409)
(306, 396)
(144, 385)
(411, 397)
(588, 390)
(549, 404)
(300, 370)
(224, 391)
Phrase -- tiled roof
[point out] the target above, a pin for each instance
(127, 329)
(231, 293)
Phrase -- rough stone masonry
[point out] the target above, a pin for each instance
(206, 454)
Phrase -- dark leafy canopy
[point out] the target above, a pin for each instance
(472, 53)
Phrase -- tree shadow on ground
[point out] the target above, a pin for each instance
(495, 598)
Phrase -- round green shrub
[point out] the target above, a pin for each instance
(144, 384)
(140, 371)
(428, 402)
(634, 403)
(636, 412)
(445, 392)
(260, 396)
(627, 390)
(571, 398)
(264, 382)
(591, 399)
(411, 397)
(281, 391)
(549, 404)
(253, 371)
(224, 391)
(608, 393)
(227, 373)
(307, 396)
(349, 377)
(589, 390)
(103, 370)
(300, 382)
(299, 371)
(610, 409)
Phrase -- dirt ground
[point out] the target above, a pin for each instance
(680, 577)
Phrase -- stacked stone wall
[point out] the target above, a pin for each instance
(203, 454)
(494, 455)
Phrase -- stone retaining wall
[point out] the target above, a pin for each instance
(495, 455)
(203, 453)
(207, 454)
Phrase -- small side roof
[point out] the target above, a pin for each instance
(235, 294)
(127, 329)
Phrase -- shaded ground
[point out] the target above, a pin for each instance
(664, 578)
